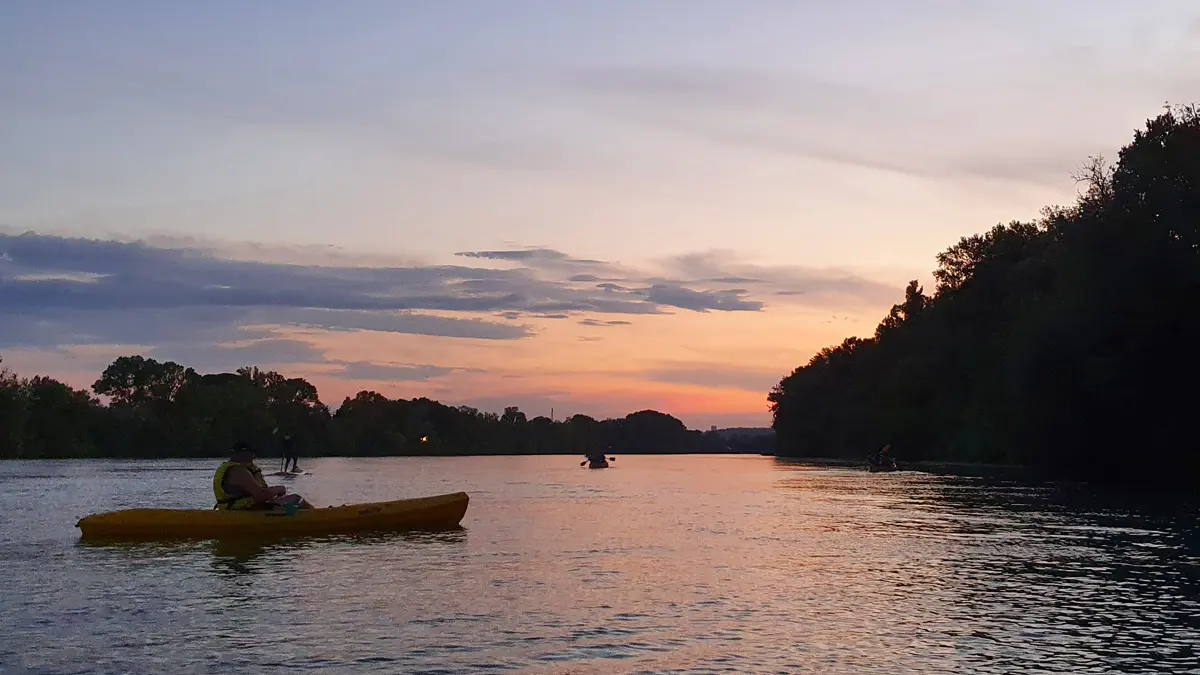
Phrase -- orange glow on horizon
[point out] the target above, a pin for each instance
(697, 366)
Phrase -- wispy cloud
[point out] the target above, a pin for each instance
(793, 284)
(529, 254)
(394, 372)
(783, 113)
(716, 376)
(777, 112)
(596, 323)
(731, 300)
(877, 126)
(225, 356)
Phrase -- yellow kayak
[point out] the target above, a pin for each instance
(438, 512)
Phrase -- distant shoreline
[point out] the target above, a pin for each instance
(972, 469)
(164, 409)
(267, 459)
(933, 467)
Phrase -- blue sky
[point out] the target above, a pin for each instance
(809, 142)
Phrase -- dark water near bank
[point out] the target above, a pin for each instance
(659, 565)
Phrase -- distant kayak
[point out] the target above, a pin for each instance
(438, 512)
(882, 461)
(292, 473)
(597, 462)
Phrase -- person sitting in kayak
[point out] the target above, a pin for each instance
(238, 485)
(882, 458)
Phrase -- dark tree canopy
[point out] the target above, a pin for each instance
(1062, 343)
(163, 409)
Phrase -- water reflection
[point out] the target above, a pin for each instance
(674, 564)
(243, 556)
(1091, 578)
(237, 557)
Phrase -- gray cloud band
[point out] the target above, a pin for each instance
(58, 291)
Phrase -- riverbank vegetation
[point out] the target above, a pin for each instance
(1066, 343)
(140, 407)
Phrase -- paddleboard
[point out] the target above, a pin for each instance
(292, 473)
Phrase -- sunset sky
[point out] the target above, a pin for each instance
(597, 207)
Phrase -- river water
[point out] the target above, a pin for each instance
(739, 564)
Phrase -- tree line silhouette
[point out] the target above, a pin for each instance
(164, 409)
(1066, 343)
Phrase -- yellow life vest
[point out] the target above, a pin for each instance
(228, 500)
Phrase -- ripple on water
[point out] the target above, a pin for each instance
(670, 565)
